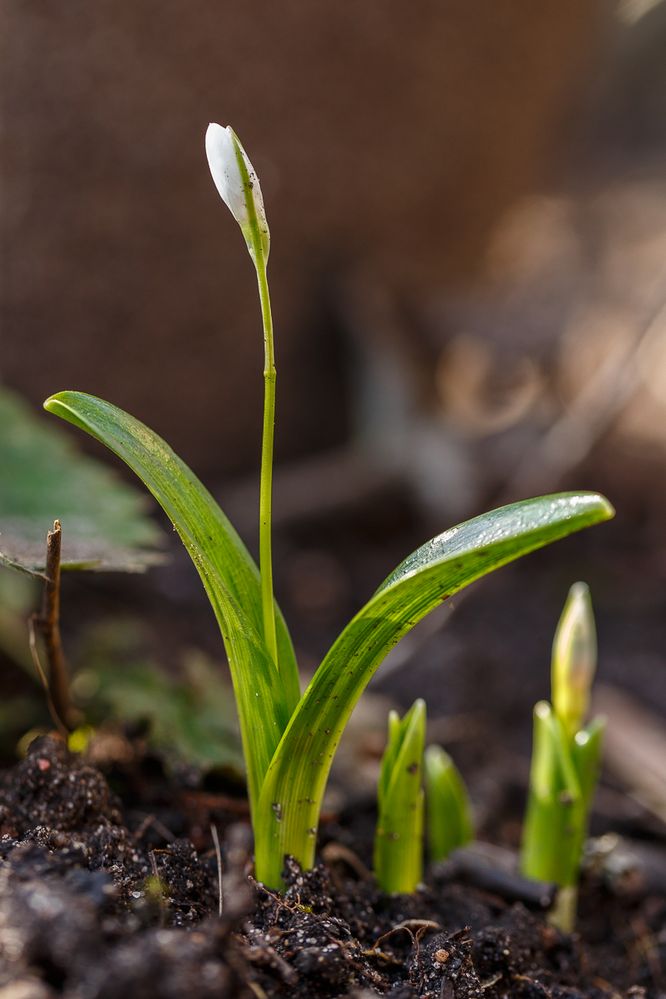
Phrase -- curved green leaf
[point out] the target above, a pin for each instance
(294, 785)
(263, 690)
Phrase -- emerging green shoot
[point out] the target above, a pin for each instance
(566, 758)
(448, 812)
(289, 740)
(398, 853)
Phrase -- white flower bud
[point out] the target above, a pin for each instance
(238, 186)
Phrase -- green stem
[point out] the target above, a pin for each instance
(257, 239)
(563, 913)
(266, 485)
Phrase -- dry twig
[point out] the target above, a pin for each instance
(218, 857)
(47, 623)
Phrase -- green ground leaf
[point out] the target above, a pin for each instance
(43, 478)
(294, 785)
(266, 693)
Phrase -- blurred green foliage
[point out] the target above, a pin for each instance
(188, 718)
(43, 477)
(189, 715)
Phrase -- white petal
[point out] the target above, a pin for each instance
(221, 153)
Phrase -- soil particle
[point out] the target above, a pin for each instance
(51, 788)
(91, 910)
(444, 965)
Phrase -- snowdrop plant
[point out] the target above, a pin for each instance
(289, 739)
(566, 755)
(398, 850)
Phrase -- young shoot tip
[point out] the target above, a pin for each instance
(574, 659)
(448, 809)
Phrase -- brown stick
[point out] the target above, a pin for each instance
(491, 869)
(48, 624)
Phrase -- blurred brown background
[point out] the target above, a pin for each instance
(389, 138)
(468, 241)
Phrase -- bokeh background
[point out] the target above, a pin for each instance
(468, 271)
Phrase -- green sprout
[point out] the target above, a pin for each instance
(289, 739)
(448, 812)
(566, 758)
(398, 853)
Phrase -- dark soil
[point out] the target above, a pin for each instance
(99, 903)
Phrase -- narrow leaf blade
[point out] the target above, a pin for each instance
(298, 772)
(266, 694)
